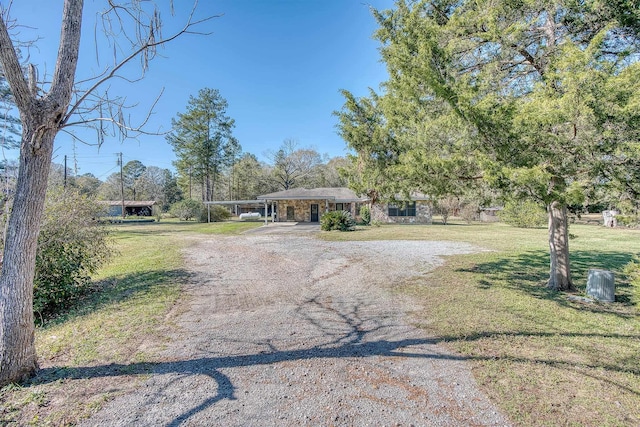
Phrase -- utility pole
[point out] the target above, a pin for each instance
(75, 159)
(121, 183)
(65, 171)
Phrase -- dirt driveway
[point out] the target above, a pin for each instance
(289, 330)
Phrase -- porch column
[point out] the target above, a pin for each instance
(326, 205)
(273, 217)
(266, 217)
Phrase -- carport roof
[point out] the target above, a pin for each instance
(235, 202)
(129, 203)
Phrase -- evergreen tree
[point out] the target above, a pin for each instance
(202, 140)
(132, 171)
(539, 98)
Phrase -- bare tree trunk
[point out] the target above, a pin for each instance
(41, 120)
(43, 113)
(559, 273)
(18, 356)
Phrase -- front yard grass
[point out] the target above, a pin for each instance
(544, 359)
(117, 326)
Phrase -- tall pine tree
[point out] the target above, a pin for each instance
(203, 142)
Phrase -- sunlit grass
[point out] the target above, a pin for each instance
(544, 359)
(174, 226)
(122, 322)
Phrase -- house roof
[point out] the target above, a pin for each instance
(129, 203)
(415, 196)
(338, 194)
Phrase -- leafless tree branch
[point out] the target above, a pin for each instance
(145, 43)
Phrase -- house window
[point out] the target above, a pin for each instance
(408, 209)
(339, 206)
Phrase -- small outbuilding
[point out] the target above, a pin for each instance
(131, 207)
(490, 214)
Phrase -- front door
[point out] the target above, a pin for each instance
(314, 212)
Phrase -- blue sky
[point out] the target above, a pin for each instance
(279, 64)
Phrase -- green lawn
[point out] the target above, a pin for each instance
(121, 323)
(544, 359)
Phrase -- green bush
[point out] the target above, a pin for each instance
(628, 220)
(365, 215)
(337, 220)
(524, 214)
(632, 271)
(72, 245)
(187, 209)
(218, 213)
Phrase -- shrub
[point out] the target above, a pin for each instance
(632, 271)
(525, 214)
(72, 245)
(469, 212)
(448, 206)
(337, 220)
(218, 213)
(365, 215)
(186, 209)
(628, 220)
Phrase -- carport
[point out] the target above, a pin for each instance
(239, 205)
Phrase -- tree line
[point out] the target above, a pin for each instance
(245, 178)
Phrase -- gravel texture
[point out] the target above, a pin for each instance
(287, 330)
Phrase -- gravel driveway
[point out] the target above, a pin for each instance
(289, 330)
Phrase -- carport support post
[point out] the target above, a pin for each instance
(266, 217)
(273, 217)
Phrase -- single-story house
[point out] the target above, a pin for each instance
(308, 205)
(416, 211)
(131, 207)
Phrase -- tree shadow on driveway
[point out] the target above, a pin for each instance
(211, 366)
(354, 340)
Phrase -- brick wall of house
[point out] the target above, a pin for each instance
(379, 212)
(302, 209)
